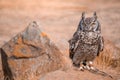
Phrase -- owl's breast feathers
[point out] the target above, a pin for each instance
(85, 42)
(91, 38)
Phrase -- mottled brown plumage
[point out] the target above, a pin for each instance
(87, 41)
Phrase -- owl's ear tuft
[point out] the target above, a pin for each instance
(95, 15)
(83, 15)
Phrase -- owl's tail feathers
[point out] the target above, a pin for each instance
(97, 71)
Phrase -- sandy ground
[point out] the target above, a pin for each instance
(58, 18)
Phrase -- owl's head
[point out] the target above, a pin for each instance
(89, 23)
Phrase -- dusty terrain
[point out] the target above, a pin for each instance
(59, 19)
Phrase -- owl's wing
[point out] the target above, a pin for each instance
(73, 43)
(71, 48)
(101, 45)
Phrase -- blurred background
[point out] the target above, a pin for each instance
(58, 18)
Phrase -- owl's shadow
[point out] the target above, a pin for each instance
(97, 72)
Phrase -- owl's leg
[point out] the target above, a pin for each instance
(85, 65)
(90, 65)
(81, 68)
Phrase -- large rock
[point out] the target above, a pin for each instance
(30, 54)
(1, 71)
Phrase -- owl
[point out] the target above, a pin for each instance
(86, 43)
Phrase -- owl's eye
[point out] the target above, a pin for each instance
(93, 23)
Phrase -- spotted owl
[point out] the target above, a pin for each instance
(87, 42)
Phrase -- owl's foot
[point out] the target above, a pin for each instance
(81, 68)
(87, 67)
(90, 66)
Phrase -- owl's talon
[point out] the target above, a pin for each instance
(81, 69)
(92, 68)
(87, 67)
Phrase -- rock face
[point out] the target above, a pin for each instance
(30, 54)
(1, 71)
